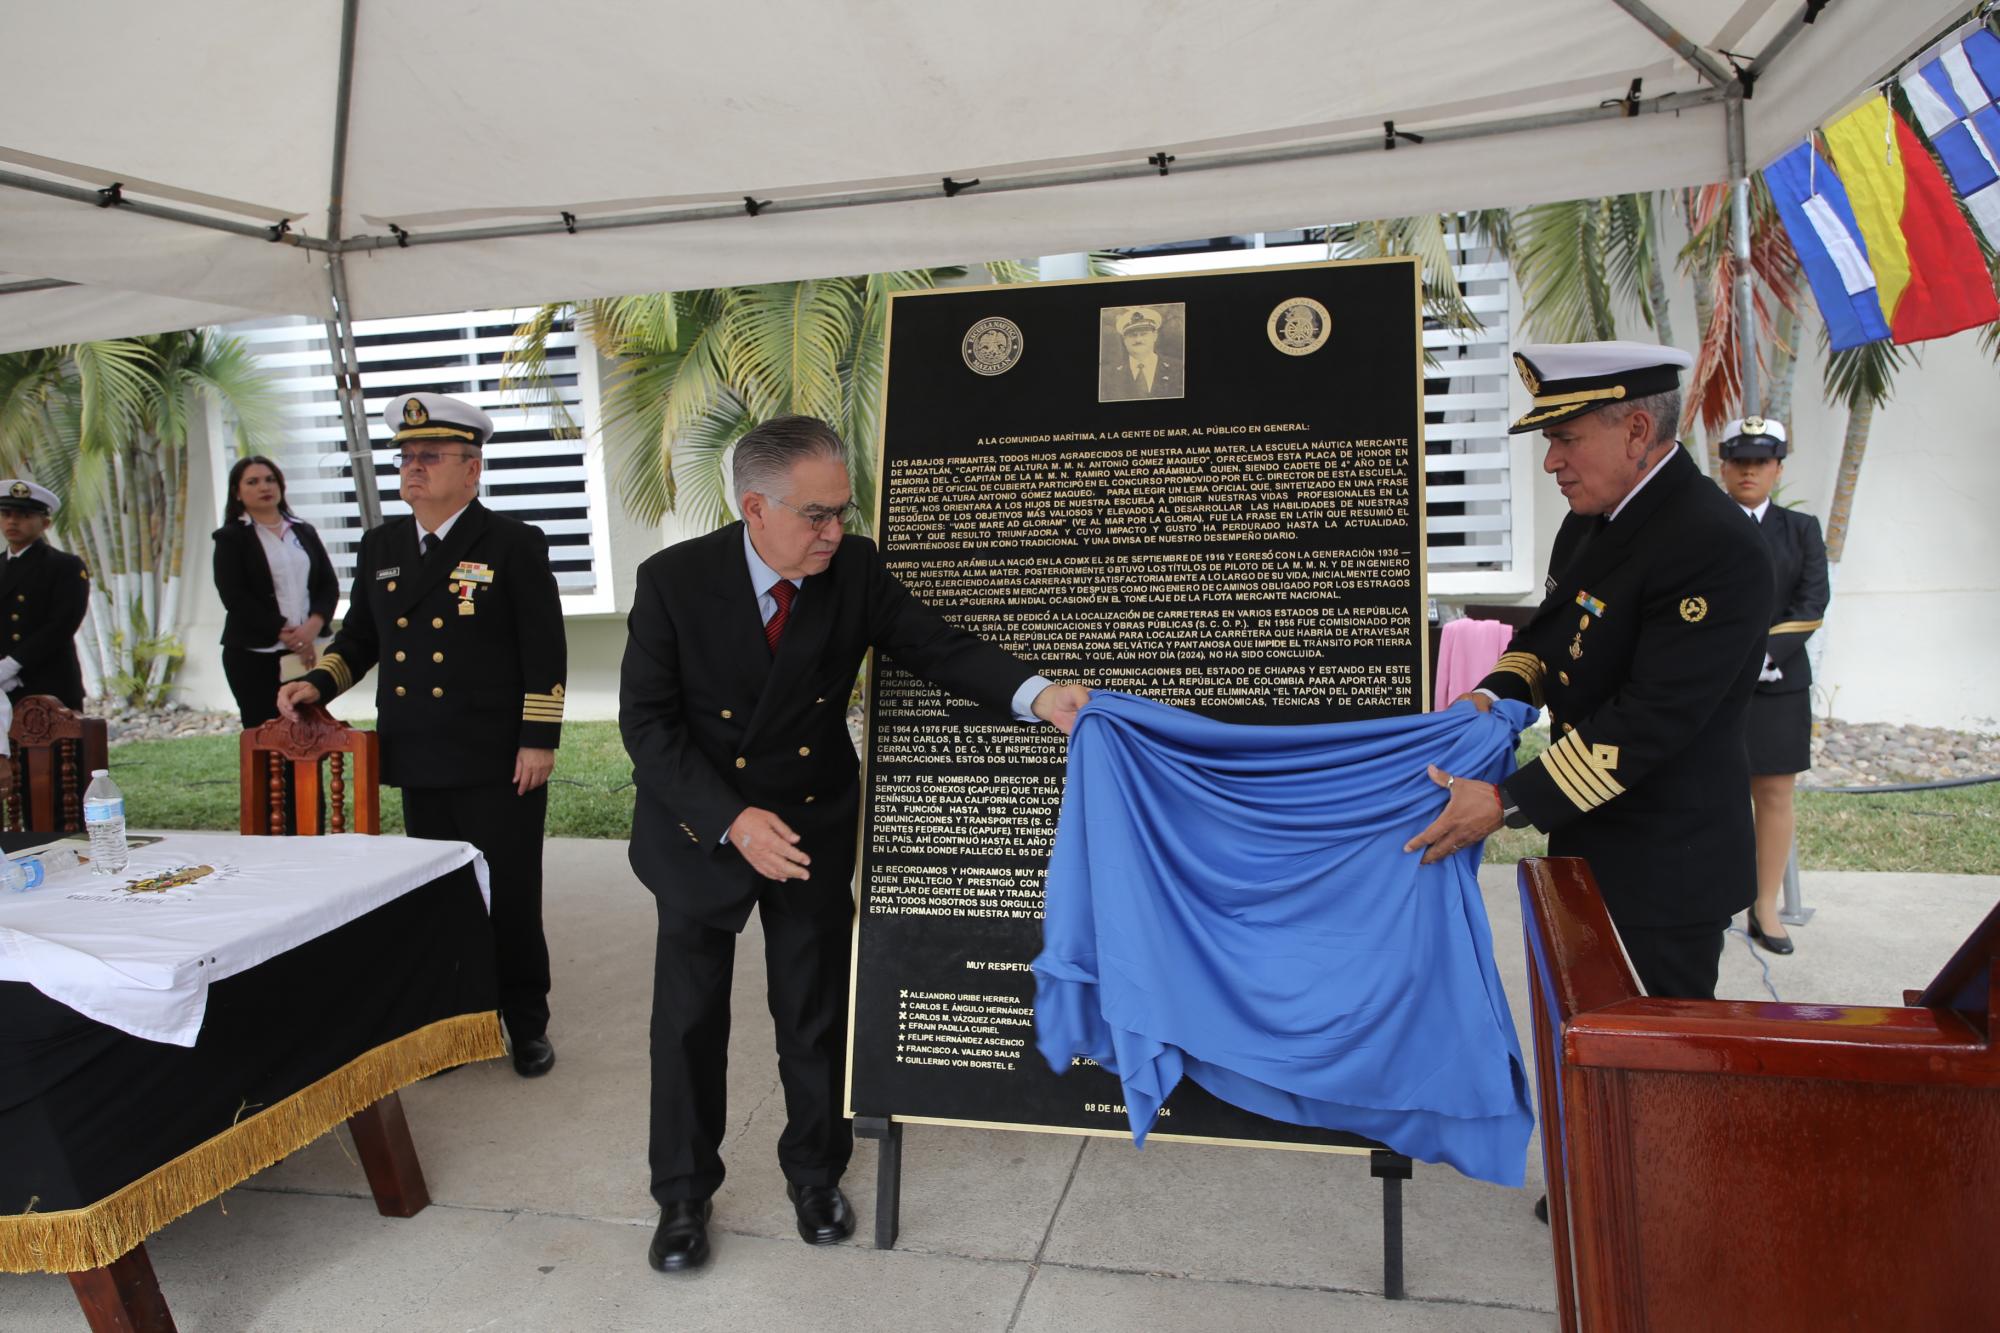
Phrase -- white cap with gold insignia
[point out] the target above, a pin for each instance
(437, 416)
(1570, 379)
(1753, 437)
(28, 497)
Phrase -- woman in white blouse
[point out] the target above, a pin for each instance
(277, 586)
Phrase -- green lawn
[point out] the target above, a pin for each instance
(191, 784)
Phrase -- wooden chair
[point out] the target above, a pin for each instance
(54, 751)
(282, 748)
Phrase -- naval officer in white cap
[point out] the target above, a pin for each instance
(45, 594)
(1645, 649)
(456, 609)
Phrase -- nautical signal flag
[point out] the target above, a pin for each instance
(1953, 96)
(1883, 245)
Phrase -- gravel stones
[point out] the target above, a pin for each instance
(1874, 754)
(166, 722)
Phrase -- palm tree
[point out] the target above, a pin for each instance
(1581, 262)
(105, 425)
(1427, 236)
(692, 371)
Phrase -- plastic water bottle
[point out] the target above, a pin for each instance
(104, 820)
(21, 873)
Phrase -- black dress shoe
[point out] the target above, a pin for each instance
(824, 1217)
(681, 1240)
(1779, 944)
(534, 1057)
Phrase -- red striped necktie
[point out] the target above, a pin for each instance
(782, 592)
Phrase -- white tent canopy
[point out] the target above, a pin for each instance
(649, 122)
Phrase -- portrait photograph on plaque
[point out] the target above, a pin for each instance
(1204, 489)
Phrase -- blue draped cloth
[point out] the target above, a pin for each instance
(1233, 904)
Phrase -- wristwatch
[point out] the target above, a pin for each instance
(1510, 812)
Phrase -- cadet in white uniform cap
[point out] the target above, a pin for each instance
(456, 608)
(1779, 725)
(46, 594)
(1645, 649)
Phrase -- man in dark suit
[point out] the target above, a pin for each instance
(1645, 650)
(46, 593)
(1779, 725)
(1141, 372)
(458, 608)
(742, 651)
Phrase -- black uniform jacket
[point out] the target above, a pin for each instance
(1798, 566)
(1645, 651)
(46, 593)
(715, 723)
(468, 648)
(249, 595)
(1115, 381)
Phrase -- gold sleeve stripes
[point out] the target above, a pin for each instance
(543, 707)
(1583, 772)
(1529, 668)
(335, 666)
(1796, 626)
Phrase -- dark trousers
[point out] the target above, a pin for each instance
(507, 829)
(253, 679)
(1678, 962)
(808, 938)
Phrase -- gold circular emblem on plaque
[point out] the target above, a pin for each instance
(1693, 608)
(1299, 326)
(992, 346)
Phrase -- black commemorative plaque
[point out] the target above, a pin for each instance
(1206, 489)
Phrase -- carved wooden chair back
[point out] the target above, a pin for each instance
(54, 750)
(316, 744)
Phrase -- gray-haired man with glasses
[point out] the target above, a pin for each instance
(742, 650)
(457, 611)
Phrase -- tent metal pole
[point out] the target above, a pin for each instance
(1786, 35)
(340, 324)
(116, 198)
(1739, 230)
(1671, 103)
(1718, 74)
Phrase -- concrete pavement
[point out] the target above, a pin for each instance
(540, 1216)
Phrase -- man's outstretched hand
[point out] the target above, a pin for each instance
(1059, 704)
(1471, 814)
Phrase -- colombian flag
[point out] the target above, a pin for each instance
(1930, 277)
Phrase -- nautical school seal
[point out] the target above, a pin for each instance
(1299, 326)
(992, 346)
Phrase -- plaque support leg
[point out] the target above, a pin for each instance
(888, 1175)
(1392, 1169)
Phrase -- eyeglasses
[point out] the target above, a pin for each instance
(820, 515)
(428, 457)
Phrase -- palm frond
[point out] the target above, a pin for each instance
(788, 341)
(226, 370)
(527, 362)
(115, 380)
(699, 462)
(1559, 258)
(1861, 375)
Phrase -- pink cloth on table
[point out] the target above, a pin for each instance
(1467, 650)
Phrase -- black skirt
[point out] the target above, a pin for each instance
(1778, 728)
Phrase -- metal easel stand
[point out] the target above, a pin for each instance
(1793, 911)
(1391, 1168)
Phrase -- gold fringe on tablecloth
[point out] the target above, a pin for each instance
(82, 1238)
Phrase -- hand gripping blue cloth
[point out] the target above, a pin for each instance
(1234, 904)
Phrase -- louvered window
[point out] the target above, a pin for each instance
(538, 469)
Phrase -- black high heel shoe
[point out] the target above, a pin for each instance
(1778, 944)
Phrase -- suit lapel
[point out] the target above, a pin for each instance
(17, 569)
(1613, 545)
(419, 575)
